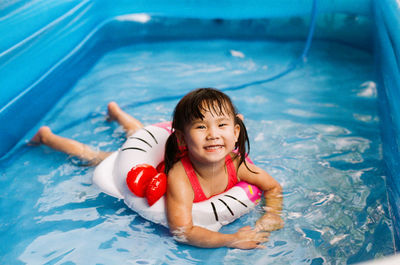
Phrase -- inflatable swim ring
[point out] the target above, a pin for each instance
(147, 146)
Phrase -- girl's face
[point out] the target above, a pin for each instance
(210, 139)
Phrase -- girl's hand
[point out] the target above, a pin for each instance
(269, 222)
(248, 238)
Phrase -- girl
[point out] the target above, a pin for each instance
(198, 160)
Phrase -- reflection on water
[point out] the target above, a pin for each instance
(315, 130)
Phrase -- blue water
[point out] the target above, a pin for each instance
(316, 130)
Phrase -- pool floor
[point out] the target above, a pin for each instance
(316, 130)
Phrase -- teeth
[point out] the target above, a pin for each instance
(213, 147)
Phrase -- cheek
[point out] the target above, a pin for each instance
(231, 138)
(191, 139)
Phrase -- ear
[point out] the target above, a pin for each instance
(236, 132)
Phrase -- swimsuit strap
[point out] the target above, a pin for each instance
(232, 177)
(194, 181)
(198, 191)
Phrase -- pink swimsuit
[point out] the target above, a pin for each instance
(198, 191)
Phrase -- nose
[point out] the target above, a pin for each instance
(212, 133)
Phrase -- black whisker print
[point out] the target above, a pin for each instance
(155, 140)
(227, 206)
(140, 139)
(215, 211)
(133, 148)
(236, 199)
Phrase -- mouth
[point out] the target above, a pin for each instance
(213, 147)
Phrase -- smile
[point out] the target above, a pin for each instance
(213, 147)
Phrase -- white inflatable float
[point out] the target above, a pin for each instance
(147, 146)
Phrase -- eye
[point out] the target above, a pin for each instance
(200, 127)
(222, 124)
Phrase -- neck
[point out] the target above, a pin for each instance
(208, 170)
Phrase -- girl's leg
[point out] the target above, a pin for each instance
(129, 123)
(74, 148)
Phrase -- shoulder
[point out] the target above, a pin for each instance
(178, 182)
(177, 173)
(179, 199)
(256, 176)
(245, 166)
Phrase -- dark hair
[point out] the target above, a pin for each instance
(191, 107)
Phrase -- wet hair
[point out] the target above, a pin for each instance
(190, 108)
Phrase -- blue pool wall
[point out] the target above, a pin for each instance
(43, 41)
(47, 45)
(387, 54)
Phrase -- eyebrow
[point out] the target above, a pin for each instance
(225, 118)
(194, 122)
(220, 118)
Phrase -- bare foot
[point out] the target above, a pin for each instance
(129, 123)
(113, 111)
(40, 135)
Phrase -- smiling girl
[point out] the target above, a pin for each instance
(205, 156)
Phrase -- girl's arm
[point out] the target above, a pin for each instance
(179, 212)
(271, 220)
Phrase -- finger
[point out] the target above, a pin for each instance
(264, 234)
(259, 246)
(259, 227)
(262, 227)
(263, 239)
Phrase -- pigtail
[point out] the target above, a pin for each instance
(242, 144)
(171, 152)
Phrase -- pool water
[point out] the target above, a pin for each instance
(316, 130)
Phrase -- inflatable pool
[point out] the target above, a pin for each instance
(47, 46)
